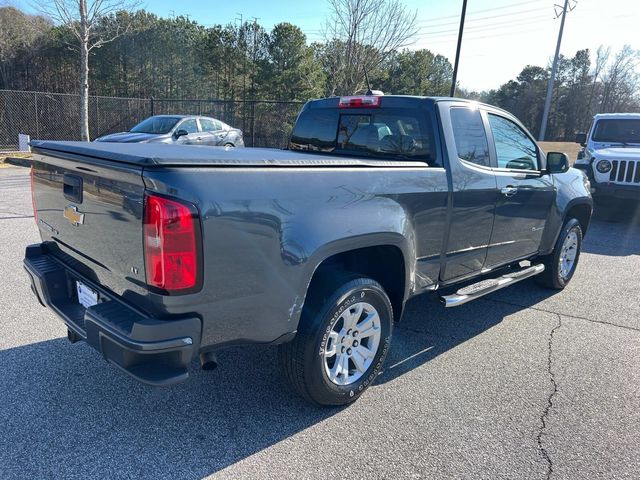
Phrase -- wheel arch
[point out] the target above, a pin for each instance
(383, 261)
(580, 208)
(581, 211)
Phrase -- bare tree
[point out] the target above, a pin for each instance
(82, 17)
(602, 58)
(362, 34)
(621, 82)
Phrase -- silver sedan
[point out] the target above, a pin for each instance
(179, 129)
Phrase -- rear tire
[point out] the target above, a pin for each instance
(342, 341)
(561, 264)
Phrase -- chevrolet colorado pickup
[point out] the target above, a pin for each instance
(155, 255)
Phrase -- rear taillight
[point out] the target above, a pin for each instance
(363, 101)
(33, 194)
(171, 240)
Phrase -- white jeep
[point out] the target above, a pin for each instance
(611, 156)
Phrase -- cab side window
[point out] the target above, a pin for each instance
(514, 149)
(208, 125)
(189, 125)
(470, 137)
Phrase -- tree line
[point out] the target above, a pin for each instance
(151, 56)
(582, 88)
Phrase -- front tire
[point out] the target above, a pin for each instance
(342, 341)
(561, 264)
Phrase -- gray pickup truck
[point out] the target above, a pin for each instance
(157, 254)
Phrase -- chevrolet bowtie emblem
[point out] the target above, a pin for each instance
(71, 213)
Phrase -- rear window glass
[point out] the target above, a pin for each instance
(470, 137)
(315, 130)
(384, 133)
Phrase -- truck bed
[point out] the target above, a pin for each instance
(150, 155)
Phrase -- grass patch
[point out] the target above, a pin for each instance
(570, 148)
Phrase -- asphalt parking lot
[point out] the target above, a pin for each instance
(525, 383)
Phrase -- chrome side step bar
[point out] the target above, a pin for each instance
(480, 289)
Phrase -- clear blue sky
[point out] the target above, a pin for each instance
(501, 36)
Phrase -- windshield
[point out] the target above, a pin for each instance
(156, 125)
(617, 131)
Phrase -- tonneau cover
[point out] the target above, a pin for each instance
(151, 155)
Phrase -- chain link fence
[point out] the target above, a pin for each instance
(56, 116)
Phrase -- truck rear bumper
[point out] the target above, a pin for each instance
(155, 352)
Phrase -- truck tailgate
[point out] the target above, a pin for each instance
(90, 212)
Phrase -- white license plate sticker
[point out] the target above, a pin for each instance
(86, 297)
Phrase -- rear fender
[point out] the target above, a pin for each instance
(319, 236)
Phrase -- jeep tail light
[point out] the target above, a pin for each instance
(33, 194)
(171, 242)
(363, 101)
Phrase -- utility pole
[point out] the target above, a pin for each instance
(554, 67)
(455, 66)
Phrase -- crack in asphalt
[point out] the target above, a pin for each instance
(602, 322)
(549, 406)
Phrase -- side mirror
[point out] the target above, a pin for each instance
(581, 138)
(180, 133)
(557, 162)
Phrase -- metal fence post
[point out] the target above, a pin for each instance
(35, 104)
(153, 109)
(253, 123)
(97, 118)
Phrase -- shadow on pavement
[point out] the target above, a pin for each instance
(428, 329)
(67, 413)
(614, 230)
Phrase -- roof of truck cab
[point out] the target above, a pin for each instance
(150, 155)
(612, 116)
(329, 101)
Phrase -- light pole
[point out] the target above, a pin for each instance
(455, 66)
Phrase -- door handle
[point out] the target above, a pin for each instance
(509, 190)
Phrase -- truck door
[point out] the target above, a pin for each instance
(473, 191)
(526, 192)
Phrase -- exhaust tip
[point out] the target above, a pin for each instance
(208, 361)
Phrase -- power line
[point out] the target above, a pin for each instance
(438, 34)
(481, 28)
(506, 34)
(489, 26)
(484, 10)
(510, 14)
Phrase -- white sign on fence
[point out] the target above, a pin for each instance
(23, 142)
